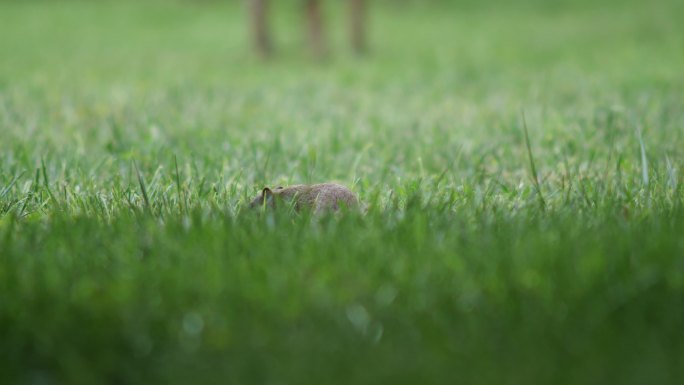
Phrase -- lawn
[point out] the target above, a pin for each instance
(520, 167)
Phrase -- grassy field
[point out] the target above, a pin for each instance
(133, 133)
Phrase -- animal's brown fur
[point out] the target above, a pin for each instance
(317, 197)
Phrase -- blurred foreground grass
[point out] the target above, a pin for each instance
(461, 271)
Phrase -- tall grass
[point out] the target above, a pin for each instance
(494, 248)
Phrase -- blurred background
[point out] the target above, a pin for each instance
(95, 76)
(198, 40)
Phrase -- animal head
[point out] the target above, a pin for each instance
(266, 198)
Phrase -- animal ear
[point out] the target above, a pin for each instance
(267, 196)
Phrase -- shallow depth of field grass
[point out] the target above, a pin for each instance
(132, 134)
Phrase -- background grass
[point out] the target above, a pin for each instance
(132, 133)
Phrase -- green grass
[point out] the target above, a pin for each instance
(521, 166)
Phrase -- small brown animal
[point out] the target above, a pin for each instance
(317, 197)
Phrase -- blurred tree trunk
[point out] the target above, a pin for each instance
(315, 21)
(260, 30)
(357, 15)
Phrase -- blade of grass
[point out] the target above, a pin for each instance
(533, 168)
(671, 174)
(11, 184)
(178, 186)
(46, 183)
(644, 159)
(142, 188)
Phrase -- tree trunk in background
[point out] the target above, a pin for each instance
(260, 31)
(357, 17)
(315, 21)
